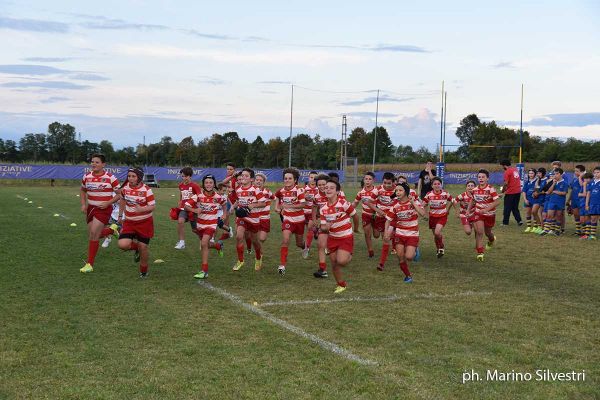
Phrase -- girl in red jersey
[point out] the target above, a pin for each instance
(310, 190)
(462, 202)
(402, 226)
(366, 194)
(290, 203)
(439, 202)
(265, 213)
(206, 206)
(485, 200)
(247, 200)
(187, 189)
(335, 221)
(98, 189)
(319, 201)
(138, 202)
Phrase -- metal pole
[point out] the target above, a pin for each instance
(445, 114)
(291, 123)
(375, 135)
(521, 129)
(442, 125)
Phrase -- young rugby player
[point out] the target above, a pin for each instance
(439, 202)
(556, 194)
(114, 217)
(206, 206)
(290, 203)
(586, 224)
(99, 190)
(462, 202)
(265, 213)
(573, 198)
(385, 199)
(319, 201)
(137, 200)
(592, 204)
(528, 200)
(402, 227)
(187, 189)
(367, 194)
(335, 221)
(247, 200)
(485, 200)
(310, 190)
(539, 199)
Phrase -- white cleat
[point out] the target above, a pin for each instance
(305, 253)
(180, 245)
(106, 242)
(281, 270)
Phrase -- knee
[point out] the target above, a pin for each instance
(124, 245)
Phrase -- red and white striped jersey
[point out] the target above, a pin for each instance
(265, 213)
(309, 196)
(384, 200)
(484, 196)
(319, 201)
(404, 218)
(462, 201)
(186, 191)
(365, 196)
(245, 196)
(338, 215)
(99, 188)
(295, 196)
(413, 194)
(209, 205)
(437, 203)
(140, 195)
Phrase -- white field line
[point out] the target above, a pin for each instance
(374, 299)
(334, 348)
(60, 215)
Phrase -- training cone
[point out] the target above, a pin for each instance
(30, 202)
(57, 215)
(73, 224)
(159, 261)
(40, 207)
(25, 198)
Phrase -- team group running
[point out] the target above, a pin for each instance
(320, 209)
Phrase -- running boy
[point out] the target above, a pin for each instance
(485, 200)
(439, 202)
(366, 195)
(462, 202)
(310, 190)
(187, 189)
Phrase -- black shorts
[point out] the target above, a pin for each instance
(133, 236)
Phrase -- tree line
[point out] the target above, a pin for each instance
(60, 145)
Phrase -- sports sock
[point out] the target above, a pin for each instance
(249, 244)
(204, 267)
(342, 283)
(106, 232)
(322, 266)
(258, 252)
(143, 269)
(240, 252)
(92, 250)
(283, 255)
(404, 268)
(385, 250)
(309, 239)
(133, 246)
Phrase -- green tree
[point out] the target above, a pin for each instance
(107, 149)
(33, 146)
(61, 141)
(10, 152)
(257, 153)
(277, 153)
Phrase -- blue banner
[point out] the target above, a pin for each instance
(43, 171)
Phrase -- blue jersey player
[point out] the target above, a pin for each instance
(592, 202)
(539, 198)
(555, 203)
(573, 198)
(528, 200)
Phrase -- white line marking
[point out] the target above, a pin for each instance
(373, 299)
(334, 348)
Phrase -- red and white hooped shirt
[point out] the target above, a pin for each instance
(404, 218)
(338, 215)
(209, 205)
(463, 200)
(187, 191)
(140, 195)
(99, 188)
(437, 203)
(384, 200)
(365, 196)
(484, 196)
(293, 195)
(265, 212)
(245, 196)
(309, 196)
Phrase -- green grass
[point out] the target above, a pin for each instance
(108, 334)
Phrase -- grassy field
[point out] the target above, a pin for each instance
(534, 304)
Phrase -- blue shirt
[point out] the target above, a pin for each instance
(529, 188)
(560, 186)
(540, 185)
(575, 190)
(594, 189)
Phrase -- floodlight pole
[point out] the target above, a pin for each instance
(521, 130)
(444, 130)
(291, 123)
(375, 133)
(442, 124)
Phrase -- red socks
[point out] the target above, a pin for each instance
(92, 250)
(342, 283)
(258, 252)
(224, 236)
(322, 266)
(479, 250)
(385, 250)
(143, 269)
(439, 242)
(240, 251)
(106, 232)
(283, 255)
(248, 243)
(205, 267)
(309, 238)
(133, 246)
(404, 268)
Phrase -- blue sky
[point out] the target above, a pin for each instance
(121, 70)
